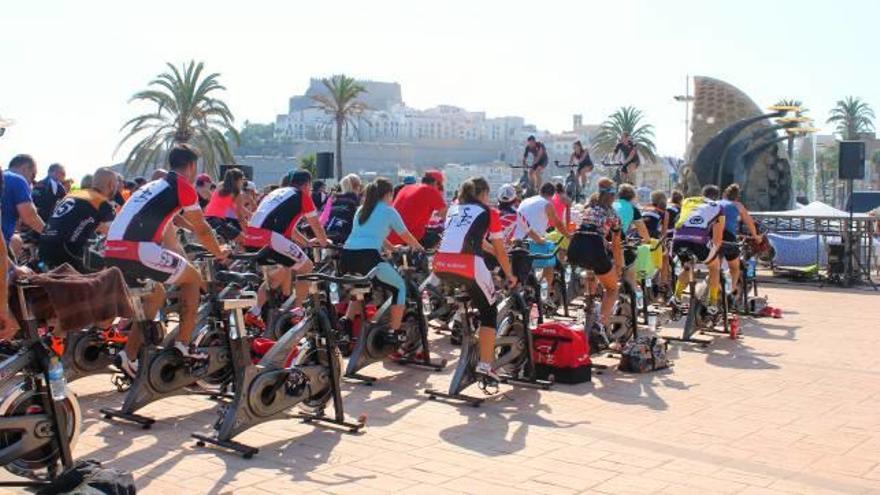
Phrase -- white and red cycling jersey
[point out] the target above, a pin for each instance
(467, 225)
(278, 212)
(135, 236)
(149, 209)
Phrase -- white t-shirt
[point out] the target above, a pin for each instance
(534, 211)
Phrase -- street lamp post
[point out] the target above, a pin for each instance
(686, 98)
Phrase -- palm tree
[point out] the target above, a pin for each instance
(342, 104)
(626, 120)
(851, 117)
(185, 112)
(309, 164)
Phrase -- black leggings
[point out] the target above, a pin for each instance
(488, 311)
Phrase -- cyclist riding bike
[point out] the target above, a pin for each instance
(459, 260)
(225, 211)
(654, 217)
(416, 204)
(601, 248)
(338, 217)
(508, 203)
(734, 213)
(274, 226)
(539, 215)
(700, 231)
(673, 209)
(361, 253)
(629, 158)
(75, 220)
(581, 158)
(138, 240)
(631, 225)
(539, 160)
(17, 203)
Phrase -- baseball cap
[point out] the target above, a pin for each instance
(250, 186)
(506, 193)
(203, 179)
(436, 175)
(409, 180)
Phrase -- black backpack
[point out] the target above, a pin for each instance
(87, 477)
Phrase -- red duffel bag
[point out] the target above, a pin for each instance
(562, 351)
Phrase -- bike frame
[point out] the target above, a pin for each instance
(34, 360)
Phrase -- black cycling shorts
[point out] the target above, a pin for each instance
(55, 254)
(588, 251)
(683, 248)
(361, 261)
(539, 164)
(731, 251)
(488, 311)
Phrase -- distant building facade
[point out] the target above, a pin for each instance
(414, 138)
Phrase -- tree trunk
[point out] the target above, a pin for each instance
(338, 149)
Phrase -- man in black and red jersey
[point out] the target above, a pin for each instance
(138, 242)
(273, 225)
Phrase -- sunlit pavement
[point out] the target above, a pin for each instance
(793, 407)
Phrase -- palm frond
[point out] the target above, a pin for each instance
(186, 110)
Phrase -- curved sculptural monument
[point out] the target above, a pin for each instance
(732, 140)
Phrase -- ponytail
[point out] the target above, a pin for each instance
(373, 193)
(472, 189)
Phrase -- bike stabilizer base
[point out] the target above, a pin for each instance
(145, 422)
(352, 427)
(467, 399)
(246, 451)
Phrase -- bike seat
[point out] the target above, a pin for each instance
(462, 297)
(228, 277)
(193, 248)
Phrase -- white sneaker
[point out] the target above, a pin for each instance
(185, 351)
(486, 370)
(128, 366)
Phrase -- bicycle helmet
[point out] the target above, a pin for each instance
(506, 193)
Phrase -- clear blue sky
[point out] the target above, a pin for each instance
(68, 68)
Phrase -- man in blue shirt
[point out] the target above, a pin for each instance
(17, 202)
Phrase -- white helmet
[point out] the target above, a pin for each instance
(506, 193)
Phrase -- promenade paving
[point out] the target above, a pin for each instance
(793, 407)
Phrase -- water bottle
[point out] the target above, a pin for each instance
(751, 267)
(533, 316)
(57, 384)
(640, 299)
(545, 289)
(567, 275)
(649, 282)
(334, 293)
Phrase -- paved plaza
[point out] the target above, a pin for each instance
(793, 407)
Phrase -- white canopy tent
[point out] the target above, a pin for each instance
(827, 224)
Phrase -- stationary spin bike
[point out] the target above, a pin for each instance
(376, 343)
(301, 369)
(37, 433)
(513, 350)
(164, 371)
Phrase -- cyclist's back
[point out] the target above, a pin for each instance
(693, 231)
(534, 211)
(75, 220)
(135, 236)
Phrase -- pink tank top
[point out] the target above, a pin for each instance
(221, 206)
(559, 206)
